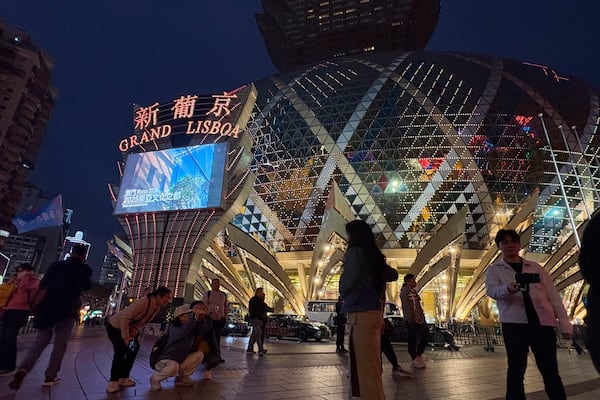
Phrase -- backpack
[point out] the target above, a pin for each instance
(157, 348)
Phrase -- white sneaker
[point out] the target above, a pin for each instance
(51, 382)
(398, 371)
(154, 385)
(113, 387)
(417, 364)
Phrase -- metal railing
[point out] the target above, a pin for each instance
(491, 335)
(486, 335)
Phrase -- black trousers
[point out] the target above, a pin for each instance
(124, 358)
(218, 325)
(340, 331)
(592, 320)
(12, 321)
(388, 350)
(417, 339)
(518, 338)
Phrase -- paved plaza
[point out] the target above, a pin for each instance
(293, 370)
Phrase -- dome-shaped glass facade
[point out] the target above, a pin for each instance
(410, 138)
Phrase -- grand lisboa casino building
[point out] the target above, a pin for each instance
(436, 151)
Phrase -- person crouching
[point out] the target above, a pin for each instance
(176, 359)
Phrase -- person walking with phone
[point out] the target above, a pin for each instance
(529, 305)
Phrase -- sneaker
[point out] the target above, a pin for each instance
(207, 375)
(398, 371)
(154, 385)
(6, 372)
(126, 382)
(17, 379)
(250, 351)
(113, 387)
(417, 364)
(421, 359)
(51, 381)
(262, 352)
(183, 381)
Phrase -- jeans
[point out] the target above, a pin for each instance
(518, 338)
(61, 331)
(124, 358)
(257, 335)
(417, 339)
(12, 321)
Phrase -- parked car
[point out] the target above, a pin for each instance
(236, 326)
(295, 326)
(438, 337)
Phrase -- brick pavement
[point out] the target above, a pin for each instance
(293, 370)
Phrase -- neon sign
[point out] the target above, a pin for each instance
(544, 68)
(206, 115)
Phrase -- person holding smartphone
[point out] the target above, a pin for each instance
(218, 307)
(529, 306)
(123, 329)
(178, 358)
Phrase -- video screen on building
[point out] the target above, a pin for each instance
(184, 178)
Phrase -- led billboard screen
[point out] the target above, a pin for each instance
(183, 178)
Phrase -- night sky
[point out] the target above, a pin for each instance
(109, 54)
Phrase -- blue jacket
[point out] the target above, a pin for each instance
(356, 283)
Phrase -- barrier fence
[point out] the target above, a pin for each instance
(491, 335)
(485, 335)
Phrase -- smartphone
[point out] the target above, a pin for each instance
(133, 345)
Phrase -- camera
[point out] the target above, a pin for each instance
(133, 345)
(526, 278)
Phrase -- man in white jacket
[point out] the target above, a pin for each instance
(528, 313)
